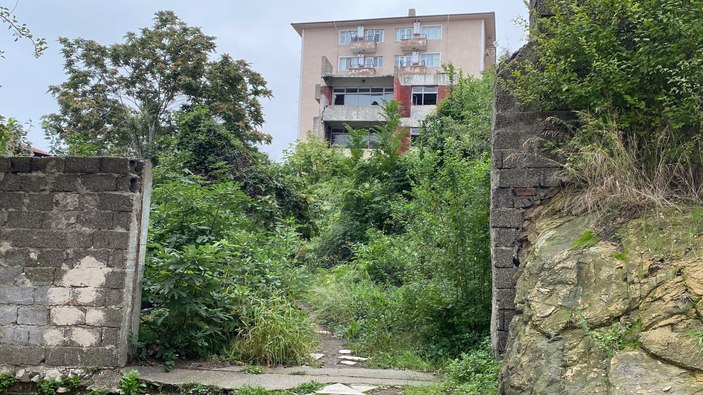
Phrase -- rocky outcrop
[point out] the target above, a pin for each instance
(616, 316)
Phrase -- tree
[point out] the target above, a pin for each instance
(119, 99)
(21, 31)
(13, 138)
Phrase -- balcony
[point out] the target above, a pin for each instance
(360, 71)
(360, 45)
(413, 43)
(347, 114)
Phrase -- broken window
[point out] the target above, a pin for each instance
(424, 95)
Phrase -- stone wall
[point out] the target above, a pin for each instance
(72, 247)
(521, 178)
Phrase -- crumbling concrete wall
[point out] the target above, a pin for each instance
(522, 177)
(72, 249)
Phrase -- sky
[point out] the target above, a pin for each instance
(257, 31)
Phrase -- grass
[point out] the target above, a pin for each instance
(275, 333)
(587, 239)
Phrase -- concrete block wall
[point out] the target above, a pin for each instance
(71, 258)
(522, 177)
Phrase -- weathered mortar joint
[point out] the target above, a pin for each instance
(71, 255)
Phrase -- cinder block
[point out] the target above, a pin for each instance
(9, 274)
(110, 337)
(36, 335)
(508, 139)
(48, 165)
(114, 297)
(52, 296)
(506, 316)
(49, 336)
(33, 316)
(103, 356)
(50, 258)
(99, 182)
(21, 356)
(64, 356)
(122, 220)
(504, 257)
(83, 337)
(28, 220)
(75, 255)
(10, 182)
(79, 239)
(66, 183)
(82, 165)
(5, 164)
(41, 275)
(504, 298)
(111, 239)
(21, 164)
(506, 218)
(104, 317)
(116, 201)
(118, 259)
(35, 238)
(519, 178)
(67, 315)
(16, 295)
(115, 165)
(89, 296)
(35, 182)
(39, 201)
(115, 279)
(14, 334)
(504, 278)
(8, 315)
(504, 237)
(11, 200)
(129, 184)
(96, 219)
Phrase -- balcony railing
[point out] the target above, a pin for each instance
(413, 43)
(359, 45)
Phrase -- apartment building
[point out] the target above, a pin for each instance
(348, 68)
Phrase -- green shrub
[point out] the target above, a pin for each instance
(475, 372)
(632, 68)
(70, 384)
(7, 380)
(130, 384)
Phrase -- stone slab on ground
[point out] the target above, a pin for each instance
(283, 378)
(339, 389)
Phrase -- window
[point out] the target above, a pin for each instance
(361, 96)
(430, 59)
(374, 35)
(403, 60)
(347, 36)
(355, 62)
(403, 33)
(424, 95)
(414, 134)
(342, 138)
(424, 59)
(432, 32)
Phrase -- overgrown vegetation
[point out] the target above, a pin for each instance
(631, 69)
(402, 240)
(390, 250)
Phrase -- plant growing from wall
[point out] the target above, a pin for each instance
(633, 71)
